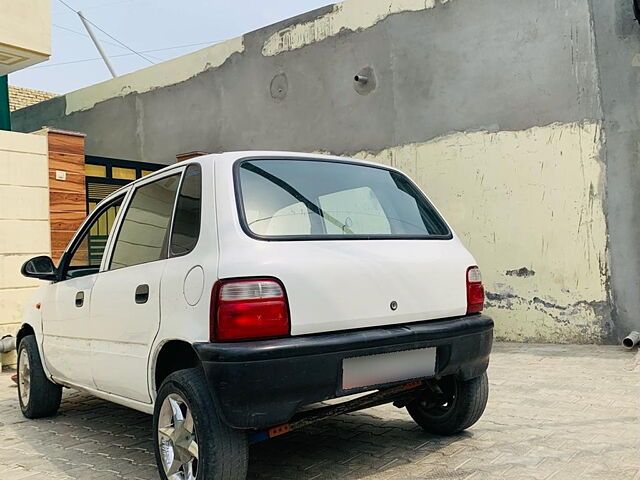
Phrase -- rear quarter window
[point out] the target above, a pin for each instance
(319, 199)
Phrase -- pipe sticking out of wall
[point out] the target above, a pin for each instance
(631, 340)
(8, 344)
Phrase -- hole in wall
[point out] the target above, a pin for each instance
(364, 82)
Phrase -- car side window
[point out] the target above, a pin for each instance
(144, 232)
(87, 255)
(186, 220)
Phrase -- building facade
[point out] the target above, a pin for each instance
(25, 39)
(25, 34)
(20, 97)
(519, 119)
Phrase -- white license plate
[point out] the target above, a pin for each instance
(388, 367)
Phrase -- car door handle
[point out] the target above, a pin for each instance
(79, 299)
(142, 293)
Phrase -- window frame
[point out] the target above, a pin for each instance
(83, 231)
(115, 234)
(285, 238)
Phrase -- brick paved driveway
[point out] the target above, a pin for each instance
(555, 412)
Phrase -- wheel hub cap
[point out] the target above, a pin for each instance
(24, 377)
(177, 439)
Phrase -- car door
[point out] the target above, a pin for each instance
(125, 310)
(67, 302)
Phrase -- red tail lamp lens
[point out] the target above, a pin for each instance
(249, 309)
(475, 290)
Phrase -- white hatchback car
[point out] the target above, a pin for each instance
(226, 293)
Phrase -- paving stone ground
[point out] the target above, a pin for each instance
(555, 412)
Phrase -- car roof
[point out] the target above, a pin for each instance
(232, 157)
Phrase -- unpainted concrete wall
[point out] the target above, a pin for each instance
(493, 105)
(617, 35)
(516, 65)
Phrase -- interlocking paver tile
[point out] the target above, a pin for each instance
(556, 412)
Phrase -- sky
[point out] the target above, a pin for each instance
(159, 29)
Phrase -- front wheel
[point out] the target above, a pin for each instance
(39, 397)
(190, 439)
(455, 406)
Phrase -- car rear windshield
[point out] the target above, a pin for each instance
(320, 199)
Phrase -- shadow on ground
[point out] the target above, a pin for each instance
(555, 411)
(89, 433)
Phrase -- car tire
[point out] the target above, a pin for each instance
(39, 397)
(221, 453)
(461, 404)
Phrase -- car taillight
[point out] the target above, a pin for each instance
(248, 309)
(475, 290)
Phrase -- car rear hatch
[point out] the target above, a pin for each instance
(354, 245)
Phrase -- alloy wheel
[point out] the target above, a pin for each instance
(24, 377)
(178, 442)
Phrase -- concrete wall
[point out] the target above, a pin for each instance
(24, 219)
(501, 110)
(618, 44)
(528, 204)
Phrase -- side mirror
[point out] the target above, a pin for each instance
(41, 267)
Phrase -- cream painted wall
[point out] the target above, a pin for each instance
(159, 75)
(25, 34)
(531, 199)
(351, 15)
(24, 219)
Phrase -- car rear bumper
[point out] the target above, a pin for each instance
(257, 384)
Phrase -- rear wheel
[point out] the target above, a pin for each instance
(455, 406)
(39, 397)
(191, 441)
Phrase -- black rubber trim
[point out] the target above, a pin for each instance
(265, 382)
(342, 341)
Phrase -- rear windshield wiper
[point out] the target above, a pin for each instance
(291, 190)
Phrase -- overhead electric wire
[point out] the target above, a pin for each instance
(100, 5)
(107, 34)
(71, 30)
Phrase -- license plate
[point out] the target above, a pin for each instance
(388, 367)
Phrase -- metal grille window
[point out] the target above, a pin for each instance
(103, 177)
(87, 256)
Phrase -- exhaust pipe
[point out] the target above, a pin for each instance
(631, 340)
(8, 344)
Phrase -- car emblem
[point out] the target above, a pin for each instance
(393, 305)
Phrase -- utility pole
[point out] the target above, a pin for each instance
(97, 44)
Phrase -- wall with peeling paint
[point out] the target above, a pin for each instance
(499, 109)
(529, 205)
(433, 76)
(351, 16)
